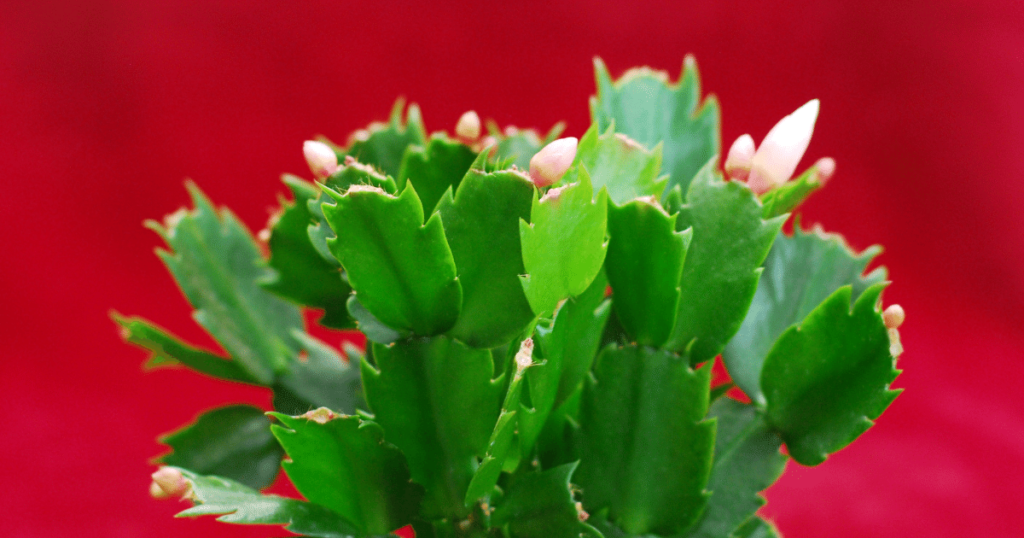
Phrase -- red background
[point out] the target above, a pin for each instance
(106, 107)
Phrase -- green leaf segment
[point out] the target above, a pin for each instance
(628, 277)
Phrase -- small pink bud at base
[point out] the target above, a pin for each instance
(894, 316)
(468, 127)
(169, 482)
(737, 163)
(322, 160)
(320, 415)
(782, 148)
(826, 167)
(552, 162)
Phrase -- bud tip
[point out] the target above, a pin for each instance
(322, 160)
(553, 161)
(468, 126)
(894, 316)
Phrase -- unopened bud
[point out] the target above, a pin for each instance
(468, 127)
(168, 482)
(894, 316)
(826, 168)
(552, 161)
(741, 154)
(524, 357)
(322, 160)
(782, 148)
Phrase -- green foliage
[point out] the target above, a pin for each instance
(343, 463)
(401, 269)
(619, 164)
(645, 264)
(564, 243)
(236, 503)
(538, 360)
(481, 223)
(799, 273)
(435, 168)
(730, 241)
(219, 267)
(828, 378)
(438, 404)
(233, 442)
(646, 448)
(644, 106)
(747, 461)
(301, 273)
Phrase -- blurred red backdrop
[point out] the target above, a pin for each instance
(106, 106)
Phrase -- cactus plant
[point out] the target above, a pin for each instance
(542, 319)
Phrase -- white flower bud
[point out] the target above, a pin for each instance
(552, 161)
(468, 127)
(894, 316)
(168, 482)
(322, 160)
(741, 154)
(775, 161)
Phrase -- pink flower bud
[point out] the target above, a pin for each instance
(322, 160)
(826, 167)
(741, 154)
(783, 147)
(468, 127)
(894, 316)
(552, 161)
(168, 482)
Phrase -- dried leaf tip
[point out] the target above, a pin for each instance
(524, 357)
(322, 160)
(167, 483)
(553, 161)
(468, 127)
(321, 415)
(782, 148)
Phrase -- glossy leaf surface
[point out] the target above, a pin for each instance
(322, 378)
(167, 350)
(481, 223)
(218, 266)
(237, 503)
(747, 461)
(800, 272)
(486, 476)
(565, 349)
(233, 442)
(383, 146)
(644, 265)
(541, 505)
(648, 109)
(723, 263)
(788, 196)
(300, 272)
(564, 243)
(343, 463)
(646, 448)
(616, 162)
(400, 268)
(435, 168)
(438, 405)
(828, 378)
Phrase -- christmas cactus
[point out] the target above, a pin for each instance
(542, 321)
